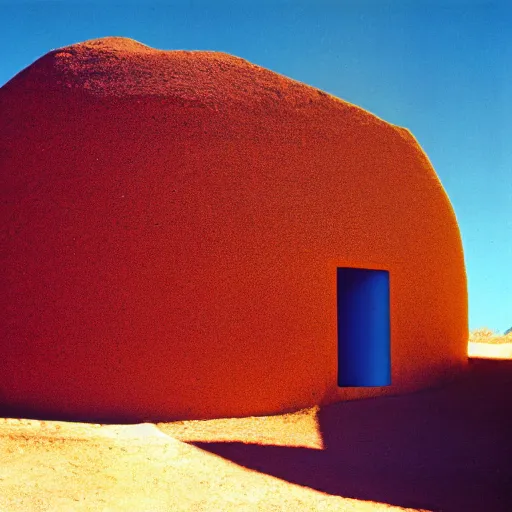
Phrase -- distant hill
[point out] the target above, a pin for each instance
(508, 331)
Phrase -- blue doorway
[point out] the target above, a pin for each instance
(364, 337)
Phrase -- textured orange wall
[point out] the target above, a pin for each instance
(174, 224)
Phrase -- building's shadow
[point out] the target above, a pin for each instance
(447, 449)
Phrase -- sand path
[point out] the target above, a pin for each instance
(447, 449)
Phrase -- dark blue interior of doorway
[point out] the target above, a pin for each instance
(364, 338)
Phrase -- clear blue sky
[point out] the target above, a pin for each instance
(441, 68)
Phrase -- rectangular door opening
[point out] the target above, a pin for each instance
(364, 337)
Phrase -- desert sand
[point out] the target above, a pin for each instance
(490, 351)
(446, 449)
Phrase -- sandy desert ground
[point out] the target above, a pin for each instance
(447, 449)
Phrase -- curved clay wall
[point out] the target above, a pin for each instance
(174, 224)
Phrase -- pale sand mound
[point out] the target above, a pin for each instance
(447, 449)
(490, 351)
(54, 466)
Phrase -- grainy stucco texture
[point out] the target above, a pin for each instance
(174, 221)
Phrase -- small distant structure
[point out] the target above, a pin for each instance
(190, 236)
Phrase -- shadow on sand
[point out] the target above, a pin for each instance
(447, 449)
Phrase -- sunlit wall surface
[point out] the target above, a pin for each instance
(174, 225)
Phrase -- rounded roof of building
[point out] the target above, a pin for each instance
(118, 67)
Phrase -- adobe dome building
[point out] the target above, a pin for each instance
(180, 231)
